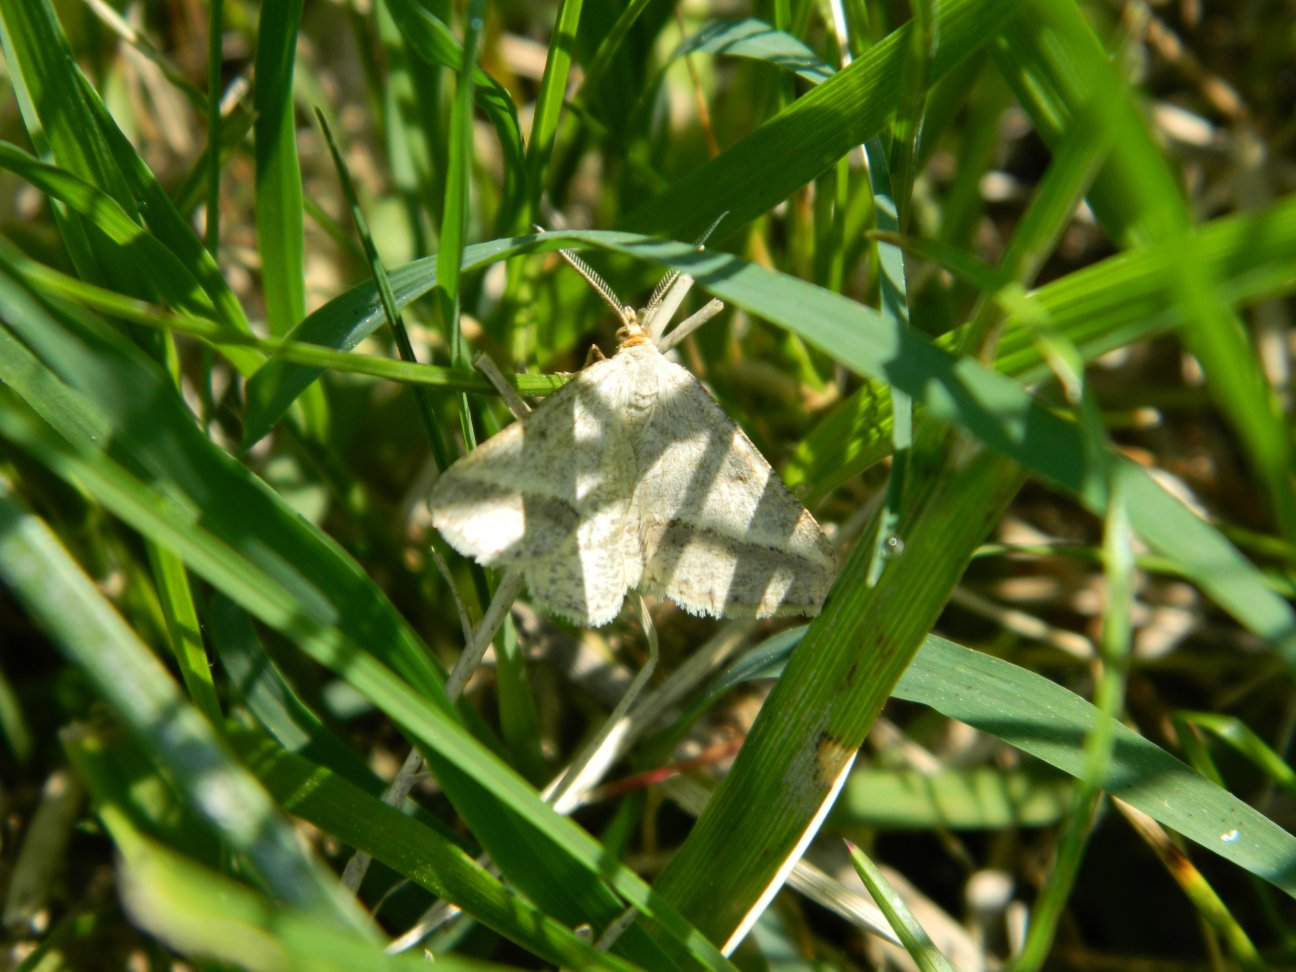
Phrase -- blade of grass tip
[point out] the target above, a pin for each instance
(1197, 889)
(757, 40)
(454, 222)
(394, 318)
(1195, 751)
(1246, 742)
(52, 586)
(912, 935)
(215, 62)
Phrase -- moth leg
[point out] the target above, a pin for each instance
(510, 586)
(512, 400)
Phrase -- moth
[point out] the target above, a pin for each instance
(631, 477)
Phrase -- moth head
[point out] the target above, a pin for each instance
(631, 332)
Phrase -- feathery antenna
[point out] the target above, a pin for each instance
(623, 311)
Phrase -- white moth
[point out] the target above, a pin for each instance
(631, 477)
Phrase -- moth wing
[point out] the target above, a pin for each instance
(546, 495)
(722, 533)
(585, 577)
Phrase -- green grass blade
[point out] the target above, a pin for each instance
(429, 37)
(394, 320)
(202, 913)
(273, 701)
(211, 160)
(831, 690)
(757, 174)
(981, 798)
(161, 274)
(1061, 72)
(1051, 723)
(455, 212)
(1242, 738)
(1111, 304)
(343, 323)
(162, 218)
(176, 595)
(362, 820)
(50, 584)
(916, 941)
(754, 39)
(46, 79)
(548, 108)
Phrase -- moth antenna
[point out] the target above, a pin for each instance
(659, 293)
(623, 312)
(666, 298)
(601, 286)
(701, 240)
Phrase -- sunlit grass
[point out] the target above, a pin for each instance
(1005, 304)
